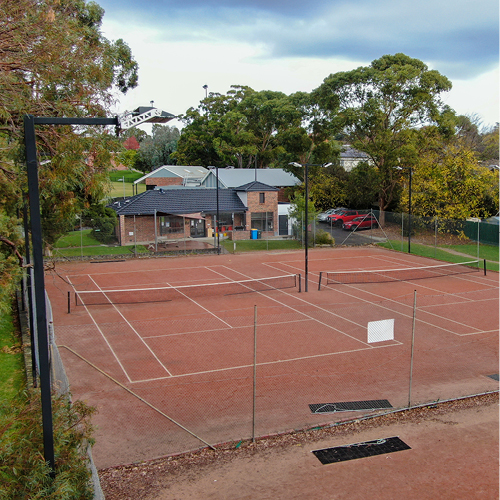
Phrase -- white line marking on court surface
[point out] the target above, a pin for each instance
(276, 362)
(199, 305)
(381, 297)
(133, 329)
(103, 336)
(307, 315)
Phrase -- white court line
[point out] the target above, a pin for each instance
(133, 329)
(307, 315)
(199, 305)
(381, 297)
(193, 332)
(280, 361)
(155, 270)
(103, 336)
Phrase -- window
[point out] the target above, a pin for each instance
(262, 221)
(171, 225)
(262, 197)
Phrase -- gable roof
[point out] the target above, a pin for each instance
(179, 201)
(349, 152)
(185, 172)
(235, 177)
(256, 186)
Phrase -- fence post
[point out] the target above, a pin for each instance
(435, 236)
(254, 371)
(402, 231)
(478, 226)
(412, 345)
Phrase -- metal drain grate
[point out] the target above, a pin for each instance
(360, 450)
(494, 376)
(374, 404)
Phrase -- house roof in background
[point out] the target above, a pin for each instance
(180, 201)
(349, 152)
(185, 172)
(256, 186)
(235, 177)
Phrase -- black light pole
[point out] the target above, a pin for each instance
(409, 212)
(410, 176)
(306, 238)
(217, 209)
(141, 115)
(38, 269)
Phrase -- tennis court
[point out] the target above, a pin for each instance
(220, 348)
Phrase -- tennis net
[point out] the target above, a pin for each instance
(404, 274)
(168, 293)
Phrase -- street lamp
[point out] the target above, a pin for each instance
(141, 115)
(206, 90)
(409, 203)
(306, 239)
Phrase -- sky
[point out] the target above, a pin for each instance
(293, 45)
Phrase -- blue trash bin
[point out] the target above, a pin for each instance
(254, 234)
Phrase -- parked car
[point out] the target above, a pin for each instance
(323, 216)
(341, 217)
(362, 221)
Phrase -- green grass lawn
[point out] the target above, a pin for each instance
(488, 252)
(76, 239)
(117, 189)
(100, 250)
(253, 245)
(434, 253)
(129, 175)
(12, 377)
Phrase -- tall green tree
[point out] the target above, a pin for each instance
(157, 150)
(54, 61)
(378, 107)
(449, 182)
(246, 128)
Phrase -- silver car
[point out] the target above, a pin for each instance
(323, 216)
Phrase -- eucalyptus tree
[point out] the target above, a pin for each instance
(54, 61)
(378, 108)
(157, 150)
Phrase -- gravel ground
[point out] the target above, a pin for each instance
(154, 479)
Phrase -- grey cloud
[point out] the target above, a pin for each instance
(460, 39)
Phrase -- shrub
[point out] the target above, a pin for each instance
(324, 238)
(24, 473)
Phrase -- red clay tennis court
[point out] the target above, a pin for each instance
(172, 370)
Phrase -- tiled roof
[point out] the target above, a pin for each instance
(179, 201)
(348, 152)
(256, 186)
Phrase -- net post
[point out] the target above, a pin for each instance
(319, 282)
(69, 302)
(484, 266)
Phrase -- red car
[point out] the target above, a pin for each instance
(341, 217)
(360, 222)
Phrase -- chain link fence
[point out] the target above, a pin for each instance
(436, 231)
(273, 368)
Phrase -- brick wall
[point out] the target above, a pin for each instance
(282, 197)
(270, 205)
(144, 229)
(164, 181)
